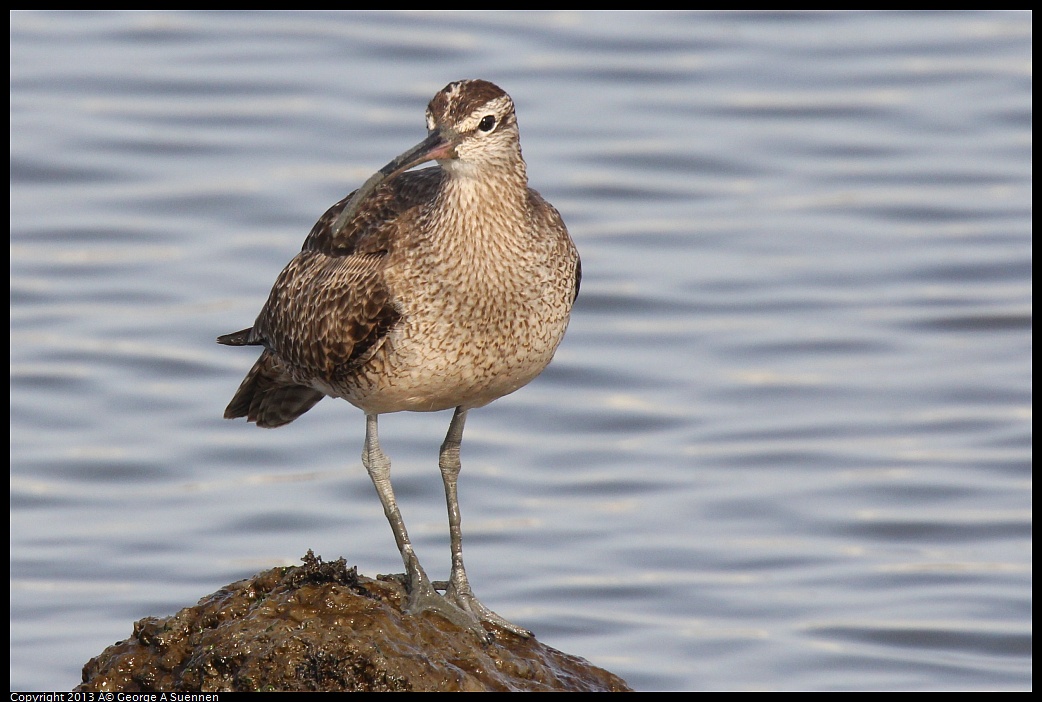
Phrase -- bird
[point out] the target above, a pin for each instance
(441, 288)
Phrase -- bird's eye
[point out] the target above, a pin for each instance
(487, 122)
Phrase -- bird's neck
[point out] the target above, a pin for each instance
(482, 203)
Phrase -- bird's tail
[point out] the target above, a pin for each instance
(268, 395)
(239, 338)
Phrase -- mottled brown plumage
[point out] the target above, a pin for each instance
(447, 287)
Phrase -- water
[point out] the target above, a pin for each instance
(785, 445)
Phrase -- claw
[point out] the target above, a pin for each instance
(423, 597)
(459, 593)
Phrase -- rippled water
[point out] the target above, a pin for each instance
(785, 445)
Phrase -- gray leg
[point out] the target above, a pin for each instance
(422, 596)
(458, 589)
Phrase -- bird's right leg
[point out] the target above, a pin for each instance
(458, 587)
(422, 595)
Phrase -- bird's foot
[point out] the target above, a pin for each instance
(458, 592)
(424, 598)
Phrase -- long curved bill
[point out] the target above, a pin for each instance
(434, 147)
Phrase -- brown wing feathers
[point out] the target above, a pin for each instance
(332, 290)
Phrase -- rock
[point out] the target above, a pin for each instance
(322, 627)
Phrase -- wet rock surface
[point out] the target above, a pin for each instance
(323, 627)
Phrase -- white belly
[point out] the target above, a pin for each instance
(434, 364)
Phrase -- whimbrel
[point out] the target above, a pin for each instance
(442, 288)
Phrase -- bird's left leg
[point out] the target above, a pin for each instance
(458, 588)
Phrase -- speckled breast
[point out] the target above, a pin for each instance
(468, 338)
